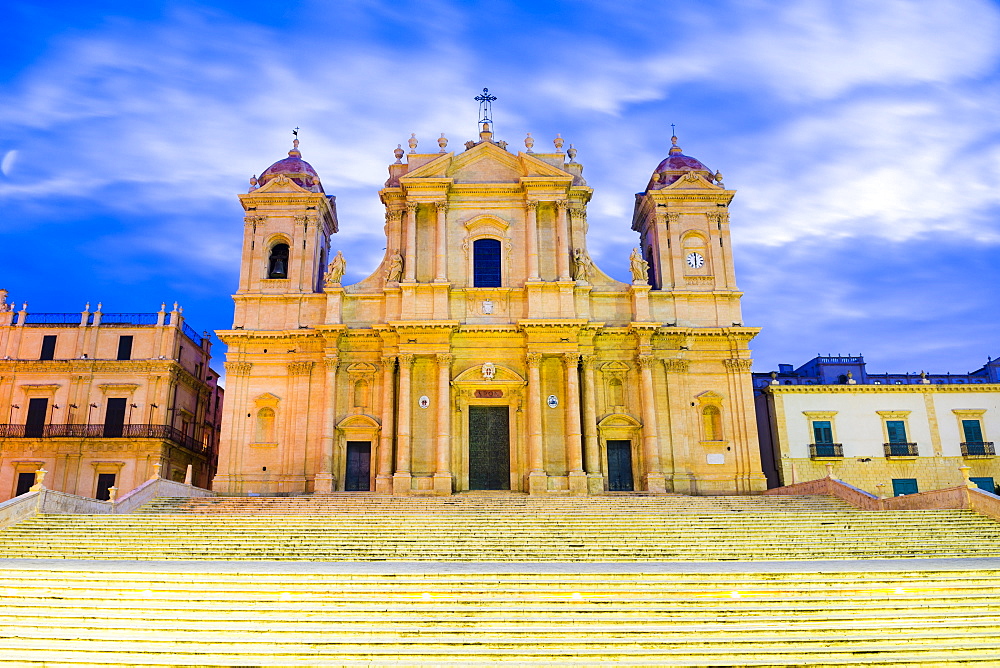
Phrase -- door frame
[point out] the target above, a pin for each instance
(620, 427)
(355, 428)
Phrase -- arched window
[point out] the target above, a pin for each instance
(712, 419)
(265, 425)
(277, 263)
(486, 263)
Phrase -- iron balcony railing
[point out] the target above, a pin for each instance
(826, 450)
(161, 431)
(900, 449)
(978, 449)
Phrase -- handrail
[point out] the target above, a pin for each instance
(161, 431)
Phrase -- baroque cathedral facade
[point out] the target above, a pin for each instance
(487, 351)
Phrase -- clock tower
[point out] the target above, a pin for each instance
(683, 221)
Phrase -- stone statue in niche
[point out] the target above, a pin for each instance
(583, 267)
(395, 269)
(639, 267)
(335, 272)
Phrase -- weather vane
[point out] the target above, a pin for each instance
(295, 132)
(485, 106)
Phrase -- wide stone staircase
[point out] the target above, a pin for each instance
(504, 528)
(482, 579)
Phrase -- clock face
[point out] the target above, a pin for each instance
(695, 260)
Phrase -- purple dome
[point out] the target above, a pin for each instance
(675, 166)
(296, 169)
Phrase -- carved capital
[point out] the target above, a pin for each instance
(676, 366)
(562, 204)
(531, 205)
(411, 207)
(393, 215)
(405, 360)
(571, 360)
(644, 361)
(389, 362)
(253, 220)
(588, 361)
(444, 359)
(673, 217)
(441, 207)
(331, 363)
(300, 368)
(233, 369)
(738, 365)
(533, 359)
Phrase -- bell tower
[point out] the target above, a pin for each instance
(286, 242)
(683, 221)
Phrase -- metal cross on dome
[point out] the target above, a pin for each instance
(485, 105)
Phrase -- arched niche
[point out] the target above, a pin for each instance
(265, 418)
(711, 414)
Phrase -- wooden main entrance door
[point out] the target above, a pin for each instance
(358, 475)
(489, 447)
(620, 466)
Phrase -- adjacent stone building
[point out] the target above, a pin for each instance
(885, 433)
(98, 400)
(487, 351)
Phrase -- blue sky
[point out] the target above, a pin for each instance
(863, 140)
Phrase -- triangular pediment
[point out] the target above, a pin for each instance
(486, 163)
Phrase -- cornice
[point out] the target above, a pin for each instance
(875, 389)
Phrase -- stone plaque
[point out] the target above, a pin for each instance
(489, 394)
(716, 459)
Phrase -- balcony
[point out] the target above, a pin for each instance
(978, 449)
(823, 450)
(900, 449)
(158, 431)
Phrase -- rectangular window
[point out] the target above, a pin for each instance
(48, 348)
(896, 430)
(105, 481)
(973, 430)
(114, 418)
(901, 486)
(34, 425)
(486, 269)
(822, 432)
(25, 480)
(124, 347)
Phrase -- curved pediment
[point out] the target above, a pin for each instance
(501, 375)
(620, 420)
(359, 422)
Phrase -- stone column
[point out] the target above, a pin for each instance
(650, 438)
(442, 472)
(591, 452)
(441, 259)
(571, 417)
(562, 240)
(325, 479)
(410, 243)
(401, 478)
(537, 478)
(531, 238)
(383, 474)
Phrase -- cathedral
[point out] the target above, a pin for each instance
(488, 351)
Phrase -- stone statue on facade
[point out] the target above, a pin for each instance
(335, 272)
(4, 306)
(395, 269)
(639, 267)
(583, 267)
